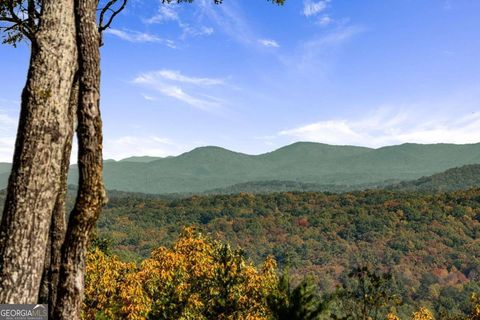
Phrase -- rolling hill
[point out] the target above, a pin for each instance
(210, 168)
(301, 166)
(461, 178)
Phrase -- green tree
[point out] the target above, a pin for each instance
(368, 295)
(298, 303)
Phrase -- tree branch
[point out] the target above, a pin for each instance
(24, 27)
(108, 7)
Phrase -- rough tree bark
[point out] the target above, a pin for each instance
(91, 194)
(37, 164)
(58, 226)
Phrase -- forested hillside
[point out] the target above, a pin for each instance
(332, 167)
(302, 166)
(430, 242)
(453, 179)
(288, 186)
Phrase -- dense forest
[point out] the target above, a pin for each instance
(464, 177)
(429, 242)
(200, 278)
(426, 240)
(459, 178)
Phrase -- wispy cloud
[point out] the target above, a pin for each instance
(388, 127)
(150, 145)
(179, 77)
(314, 53)
(139, 37)
(169, 13)
(325, 20)
(165, 13)
(269, 43)
(174, 84)
(230, 20)
(312, 8)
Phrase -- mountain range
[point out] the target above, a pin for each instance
(300, 166)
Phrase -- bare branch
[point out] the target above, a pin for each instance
(102, 27)
(31, 14)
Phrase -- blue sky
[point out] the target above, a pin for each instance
(252, 77)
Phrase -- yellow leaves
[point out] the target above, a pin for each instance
(423, 314)
(135, 302)
(476, 307)
(392, 316)
(111, 289)
(196, 278)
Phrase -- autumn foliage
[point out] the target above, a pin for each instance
(201, 278)
(197, 278)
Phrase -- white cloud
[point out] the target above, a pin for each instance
(179, 77)
(387, 127)
(169, 13)
(165, 13)
(230, 20)
(139, 37)
(312, 8)
(325, 21)
(205, 30)
(7, 122)
(149, 98)
(127, 146)
(171, 83)
(8, 126)
(315, 53)
(269, 43)
(7, 145)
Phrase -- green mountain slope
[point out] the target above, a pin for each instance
(461, 178)
(300, 166)
(144, 159)
(271, 186)
(4, 174)
(210, 168)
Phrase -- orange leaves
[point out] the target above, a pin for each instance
(423, 314)
(392, 316)
(108, 283)
(197, 278)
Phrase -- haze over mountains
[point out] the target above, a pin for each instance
(300, 166)
(208, 168)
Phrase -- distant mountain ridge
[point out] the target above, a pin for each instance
(306, 165)
(209, 168)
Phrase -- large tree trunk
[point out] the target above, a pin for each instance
(37, 164)
(58, 226)
(91, 195)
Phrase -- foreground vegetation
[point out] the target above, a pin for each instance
(199, 278)
(428, 242)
